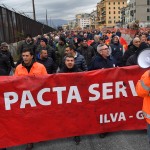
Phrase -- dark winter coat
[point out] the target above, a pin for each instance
(87, 52)
(99, 62)
(49, 64)
(117, 53)
(67, 70)
(8, 54)
(132, 49)
(50, 51)
(5, 65)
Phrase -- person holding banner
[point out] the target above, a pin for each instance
(69, 67)
(29, 67)
(102, 59)
(143, 90)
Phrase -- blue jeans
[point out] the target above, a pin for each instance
(148, 132)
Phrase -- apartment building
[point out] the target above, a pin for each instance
(83, 20)
(137, 10)
(109, 12)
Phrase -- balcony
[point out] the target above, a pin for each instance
(103, 6)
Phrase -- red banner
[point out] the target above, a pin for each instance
(37, 108)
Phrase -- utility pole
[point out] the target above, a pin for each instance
(33, 10)
(46, 18)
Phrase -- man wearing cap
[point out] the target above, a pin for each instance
(44, 45)
(4, 50)
(5, 65)
(60, 50)
(117, 51)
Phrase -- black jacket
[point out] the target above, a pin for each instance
(117, 53)
(49, 64)
(67, 70)
(5, 65)
(50, 51)
(8, 54)
(132, 50)
(87, 52)
(99, 62)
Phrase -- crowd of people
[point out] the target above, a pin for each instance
(90, 49)
(71, 51)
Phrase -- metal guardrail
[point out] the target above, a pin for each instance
(13, 26)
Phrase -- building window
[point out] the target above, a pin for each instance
(109, 7)
(114, 7)
(122, 2)
(114, 17)
(114, 21)
(148, 2)
(114, 12)
(148, 18)
(118, 16)
(148, 9)
(119, 3)
(114, 3)
(118, 12)
(109, 3)
(109, 12)
(109, 17)
(109, 22)
(118, 7)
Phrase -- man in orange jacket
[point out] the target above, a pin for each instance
(29, 67)
(143, 90)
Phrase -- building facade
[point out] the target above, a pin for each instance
(138, 10)
(83, 20)
(93, 18)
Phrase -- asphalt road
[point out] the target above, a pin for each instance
(124, 140)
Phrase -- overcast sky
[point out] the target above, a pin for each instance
(56, 9)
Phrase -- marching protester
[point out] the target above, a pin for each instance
(86, 51)
(143, 90)
(27, 44)
(102, 59)
(148, 40)
(132, 60)
(79, 59)
(29, 67)
(44, 45)
(5, 65)
(132, 49)
(4, 50)
(60, 51)
(96, 42)
(117, 51)
(46, 61)
(69, 67)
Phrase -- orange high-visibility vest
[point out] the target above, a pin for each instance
(143, 90)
